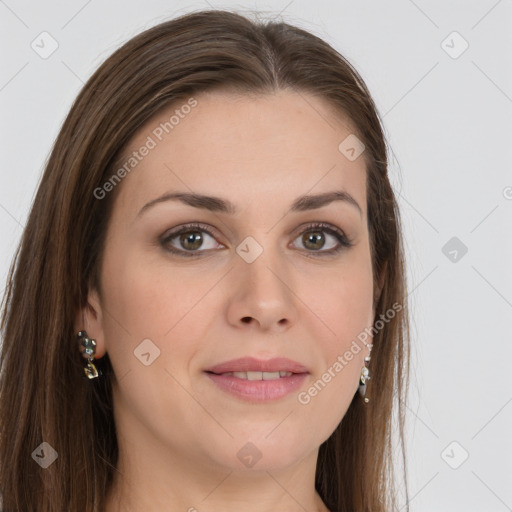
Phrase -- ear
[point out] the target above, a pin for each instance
(90, 319)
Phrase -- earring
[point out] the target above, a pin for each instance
(365, 375)
(87, 347)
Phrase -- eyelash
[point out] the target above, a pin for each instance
(344, 241)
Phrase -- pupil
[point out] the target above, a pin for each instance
(315, 237)
(188, 238)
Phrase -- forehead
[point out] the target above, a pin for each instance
(250, 148)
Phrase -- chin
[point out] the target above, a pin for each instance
(264, 454)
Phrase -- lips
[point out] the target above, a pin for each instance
(251, 364)
(258, 380)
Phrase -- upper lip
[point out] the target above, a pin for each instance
(251, 364)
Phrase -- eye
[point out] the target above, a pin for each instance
(187, 240)
(190, 238)
(314, 239)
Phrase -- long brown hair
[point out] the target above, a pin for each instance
(44, 396)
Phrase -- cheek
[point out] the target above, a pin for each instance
(144, 293)
(146, 312)
(348, 308)
(342, 300)
(146, 298)
(348, 316)
(344, 309)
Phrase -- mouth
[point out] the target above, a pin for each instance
(254, 375)
(257, 380)
(252, 365)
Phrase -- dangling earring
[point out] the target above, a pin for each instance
(87, 347)
(365, 375)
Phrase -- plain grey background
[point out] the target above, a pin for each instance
(441, 75)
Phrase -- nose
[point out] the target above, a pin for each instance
(263, 295)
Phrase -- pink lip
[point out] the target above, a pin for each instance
(251, 364)
(258, 390)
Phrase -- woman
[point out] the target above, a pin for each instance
(216, 234)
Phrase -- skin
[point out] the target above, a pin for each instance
(178, 433)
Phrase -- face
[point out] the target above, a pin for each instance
(262, 282)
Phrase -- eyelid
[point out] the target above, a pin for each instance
(185, 228)
(190, 226)
(344, 241)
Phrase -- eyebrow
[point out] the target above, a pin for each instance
(216, 204)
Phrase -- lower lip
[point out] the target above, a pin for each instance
(258, 390)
